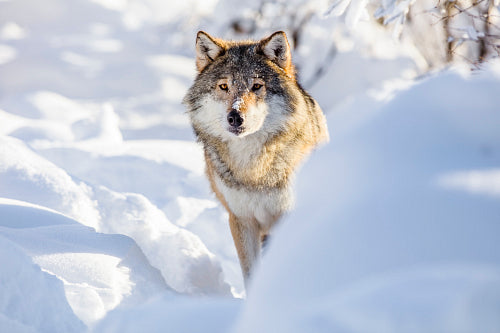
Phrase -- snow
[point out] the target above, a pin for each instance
(161, 314)
(475, 181)
(30, 297)
(98, 271)
(107, 223)
(237, 104)
(337, 7)
(11, 30)
(7, 54)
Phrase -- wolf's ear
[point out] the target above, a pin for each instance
(207, 50)
(276, 48)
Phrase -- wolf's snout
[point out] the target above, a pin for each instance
(234, 118)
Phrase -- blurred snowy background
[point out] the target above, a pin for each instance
(107, 223)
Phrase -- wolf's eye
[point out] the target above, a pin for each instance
(256, 86)
(223, 86)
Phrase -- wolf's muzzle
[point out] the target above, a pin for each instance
(234, 118)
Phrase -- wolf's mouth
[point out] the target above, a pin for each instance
(236, 130)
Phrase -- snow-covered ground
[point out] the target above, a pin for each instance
(107, 222)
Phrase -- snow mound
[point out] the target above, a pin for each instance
(99, 271)
(30, 297)
(24, 175)
(185, 262)
(180, 314)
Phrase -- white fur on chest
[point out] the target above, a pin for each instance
(263, 206)
(246, 150)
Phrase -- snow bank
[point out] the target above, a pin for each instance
(98, 271)
(379, 242)
(30, 297)
(25, 176)
(179, 314)
(185, 262)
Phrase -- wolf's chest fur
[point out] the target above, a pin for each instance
(245, 152)
(249, 174)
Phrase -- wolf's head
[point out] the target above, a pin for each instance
(242, 87)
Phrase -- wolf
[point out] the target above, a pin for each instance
(256, 124)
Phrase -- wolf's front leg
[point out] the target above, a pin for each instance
(246, 236)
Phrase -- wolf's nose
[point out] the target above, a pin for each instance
(234, 118)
